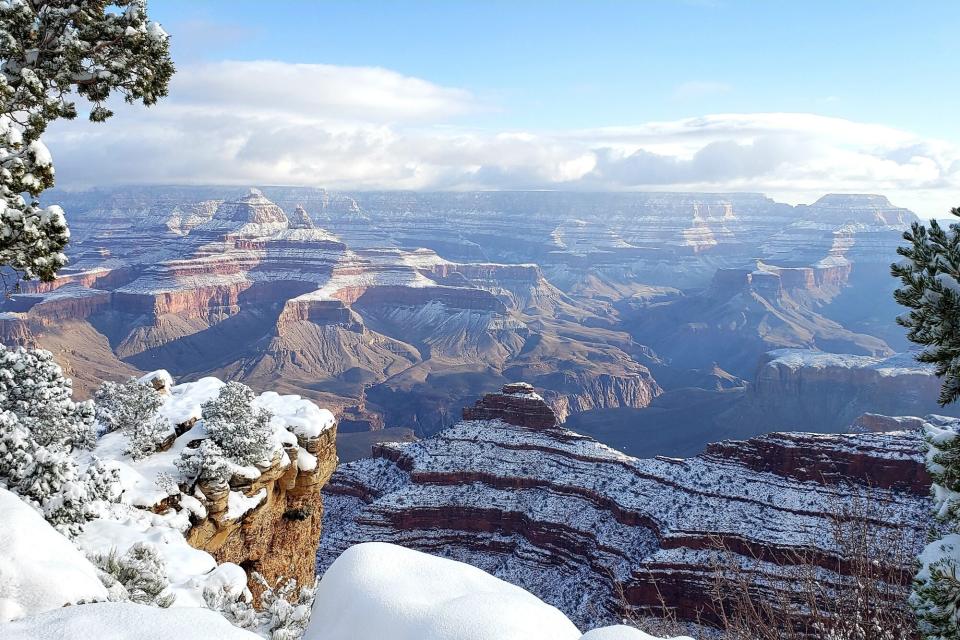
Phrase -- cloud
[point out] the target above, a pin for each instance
(369, 128)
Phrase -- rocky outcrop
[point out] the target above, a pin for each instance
(517, 404)
(275, 537)
(596, 532)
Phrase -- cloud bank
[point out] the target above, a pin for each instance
(267, 122)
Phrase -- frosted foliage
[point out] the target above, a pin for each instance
(33, 387)
(50, 53)
(243, 433)
(287, 609)
(139, 575)
(133, 408)
(40, 424)
(206, 463)
(284, 613)
(930, 274)
(936, 589)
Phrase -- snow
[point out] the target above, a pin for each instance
(296, 414)
(186, 399)
(622, 632)
(124, 620)
(160, 374)
(189, 569)
(40, 569)
(895, 365)
(379, 591)
(306, 461)
(238, 504)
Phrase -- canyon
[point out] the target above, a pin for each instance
(605, 536)
(628, 312)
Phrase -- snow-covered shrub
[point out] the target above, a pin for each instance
(139, 575)
(242, 432)
(133, 408)
(40, 425)
(284, 612)
(233, 605)
(67, 498)
(33, 387)
(286, 609)
(205, 463)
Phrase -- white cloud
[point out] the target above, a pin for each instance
(369, 128)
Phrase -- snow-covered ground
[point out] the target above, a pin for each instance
(40, 569)
(124, 621)
(379, 591)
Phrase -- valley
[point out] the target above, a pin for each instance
(645, 319)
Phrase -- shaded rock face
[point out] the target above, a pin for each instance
(796, 389)
(578, 523)
(278, 537)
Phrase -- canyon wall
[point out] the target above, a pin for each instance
(600, 534)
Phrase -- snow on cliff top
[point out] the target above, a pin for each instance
(123, 621)
(293, 417)
(292, 412)
(40, 569)
(898, 364)
(379, 591)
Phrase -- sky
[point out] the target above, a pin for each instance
(792, 99)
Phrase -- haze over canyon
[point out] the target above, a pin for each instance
(656, 322)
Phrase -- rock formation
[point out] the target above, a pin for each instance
(795, 389)
(275, 537)
(579, 524)
(411, 303)
(268, 521)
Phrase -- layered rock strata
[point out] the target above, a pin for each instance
(598, 533)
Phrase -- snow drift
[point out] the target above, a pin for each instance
(380, 591)
(40, 569)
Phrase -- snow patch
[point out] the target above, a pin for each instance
(40, 569)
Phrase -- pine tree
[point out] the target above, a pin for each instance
(51, 52)
(930, 273)
(930, 277)
(133, 408)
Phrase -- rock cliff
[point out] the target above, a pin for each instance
(268, 521)
(577, 523)
(796, 389)
(275, 537)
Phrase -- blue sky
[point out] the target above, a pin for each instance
(790, 98)
(597, 63)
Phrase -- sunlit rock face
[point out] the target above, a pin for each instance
(577, 523)
(409, 304)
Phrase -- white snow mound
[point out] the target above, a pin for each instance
(40, 569)
(123, 621)
(380, 591)
(622, 632)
